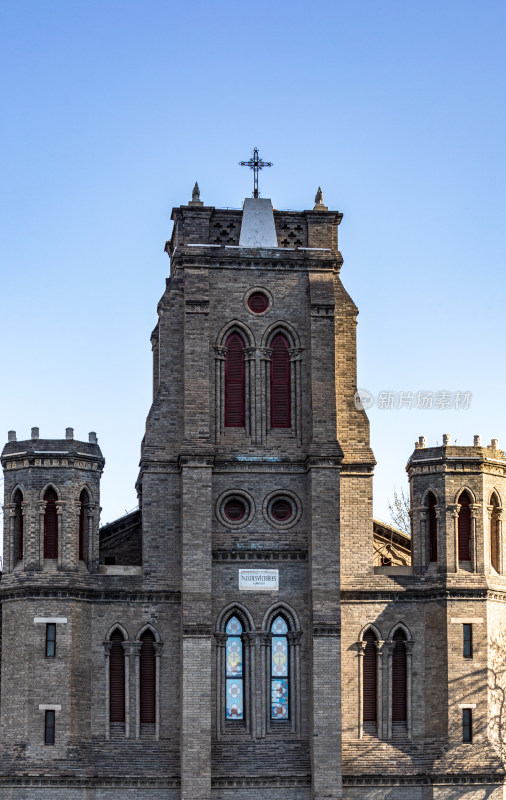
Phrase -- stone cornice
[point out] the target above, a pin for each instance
(260, 555)
(420, 595)
(88, 595)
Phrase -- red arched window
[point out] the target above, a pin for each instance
(494, 534)
(280, 382)
(464, 527)
(370, 677)
(431, 503)
(83, 502)
(234, 382)
(399, 682)
(117, 678)
(50, 525)
(18, 526)
(148, 677)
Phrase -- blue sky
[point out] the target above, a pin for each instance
(111, 110)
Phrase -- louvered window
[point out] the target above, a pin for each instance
(494, 535)
(83, 501)
(464, 527)
(234, 382)
(117, 678)
(50, 525)
(18, 526)
(280, 383)
(370, 677)
(399, 675)
(148, 678)
(432, 528)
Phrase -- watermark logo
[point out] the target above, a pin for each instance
(389, 400)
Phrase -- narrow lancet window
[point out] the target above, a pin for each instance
(234, 382)
(464, 527)
(50, 525)
(280, 383)
(148, 678)
(83, 502)
(234, 674)
(399, 678)
(117, 678)
(431, 502)
(279, 670)
(370, 677)
(18, 526)
(494, 535)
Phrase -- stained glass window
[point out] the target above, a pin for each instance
(279, 669)
(234, 670)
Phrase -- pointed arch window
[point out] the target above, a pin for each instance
(399, 678)
(280, 688)
(117, 678)
(495, 534)
(50, 525)
(234, 670)
(147, 678)
(370, 682)
(280, 382)
(234, 382)
(83, 527)
(464, 527)
(431, 505)
(18, 526)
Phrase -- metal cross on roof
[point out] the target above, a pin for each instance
(256, 164)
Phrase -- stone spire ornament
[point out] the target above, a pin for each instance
(196, 201)
(319, 206)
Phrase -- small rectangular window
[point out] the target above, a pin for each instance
(467, 640)
(110, 560)
(49, 727)
(467, 725)
(50, 640)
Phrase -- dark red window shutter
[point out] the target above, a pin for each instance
(432, 528)
(494, 535)
(117, 678)
(50, 525)
(370, 680)
(399, 683)
(82, 522)
(464, 527)
(280, 383)
(148, 678)
(234, 382)
(18, 525)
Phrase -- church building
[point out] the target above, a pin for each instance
(236, 638)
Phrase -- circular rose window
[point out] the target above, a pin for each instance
(234, 509)
(258, 302)
(281, 510)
